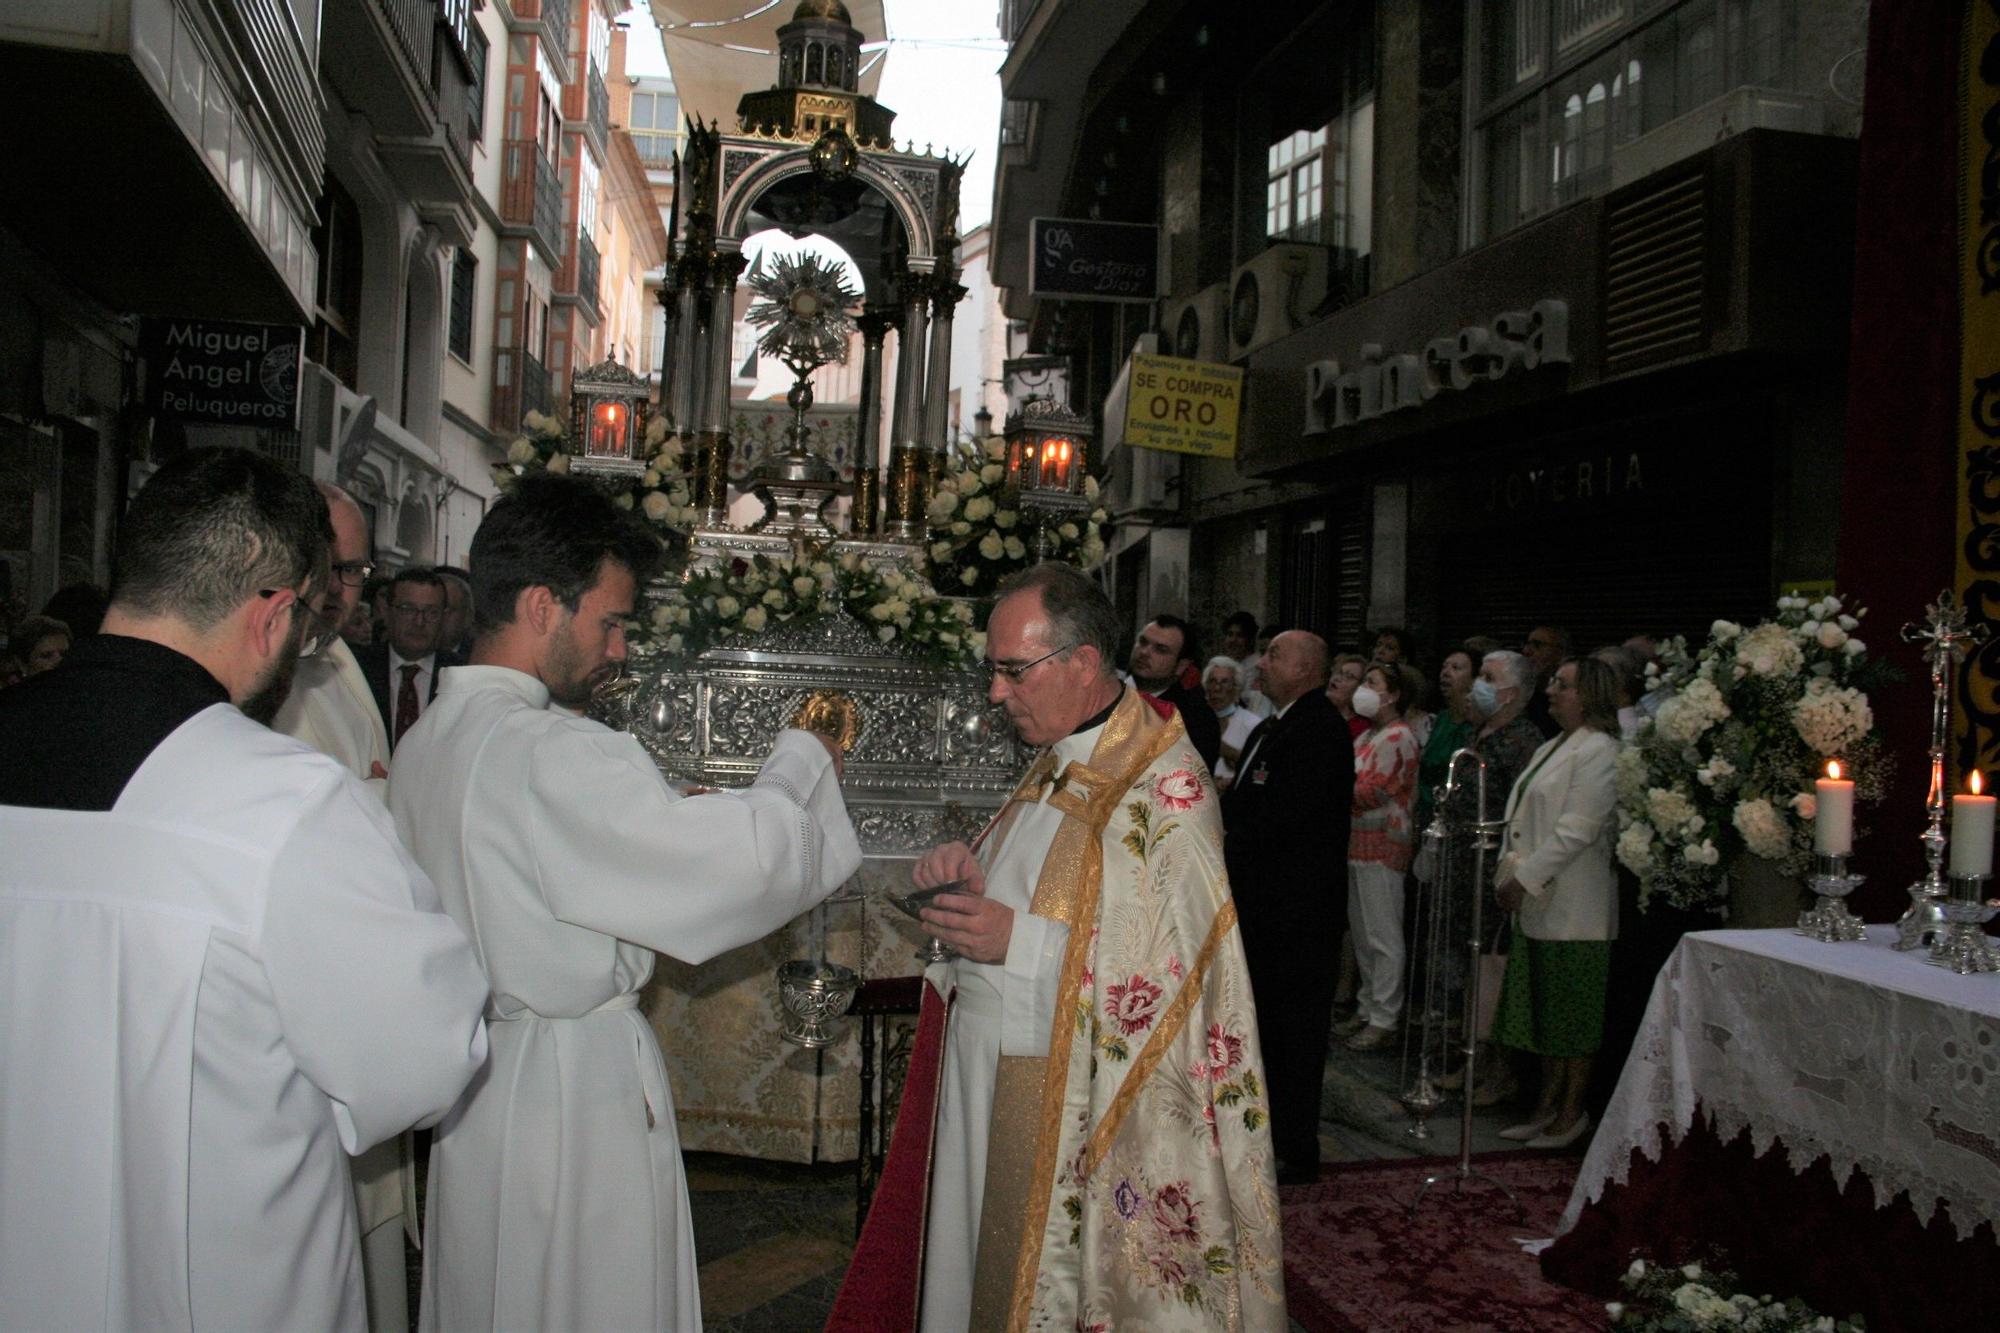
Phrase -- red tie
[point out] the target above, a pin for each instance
(406, 702)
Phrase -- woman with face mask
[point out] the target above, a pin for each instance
(1341, 682)
(1379, 847)
(1496, 702)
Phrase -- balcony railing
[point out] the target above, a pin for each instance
(520, 386)
(531, 198)
(599, 104)
(415, 25)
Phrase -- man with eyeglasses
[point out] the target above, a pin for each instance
(332, 709)
(1100, 1068)
(403, 673)
(223, 974)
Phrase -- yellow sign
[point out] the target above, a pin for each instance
(1189, 407)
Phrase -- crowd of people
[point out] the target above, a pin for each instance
(436, 903)
(1546, 724)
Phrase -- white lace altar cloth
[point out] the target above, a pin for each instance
(1854, 1052)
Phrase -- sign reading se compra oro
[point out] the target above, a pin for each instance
(1189, 407)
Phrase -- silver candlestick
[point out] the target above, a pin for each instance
(1829, 919)
(1963, 945)
(1947, 639)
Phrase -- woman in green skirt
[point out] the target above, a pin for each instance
(1555, 876)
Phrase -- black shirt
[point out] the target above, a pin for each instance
(71, 738)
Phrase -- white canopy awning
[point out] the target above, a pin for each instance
(719, 50)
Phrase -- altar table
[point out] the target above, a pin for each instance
(1876, 1074)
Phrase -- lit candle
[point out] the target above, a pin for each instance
(1972, 832)
(1833, 818)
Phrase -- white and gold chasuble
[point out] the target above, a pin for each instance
(1125, 1176)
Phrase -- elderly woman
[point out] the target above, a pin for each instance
(1555, 875)
(1222, 684)
(1341, 682)
(1379, 846)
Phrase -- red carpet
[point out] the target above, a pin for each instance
(1355, 1260)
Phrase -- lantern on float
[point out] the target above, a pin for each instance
(608, 406)
(1048, 456)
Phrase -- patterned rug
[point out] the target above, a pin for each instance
(1356, 1261)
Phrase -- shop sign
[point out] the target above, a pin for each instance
(1189, 407)
(1514, 341)
(1094, 261)
(217, 373)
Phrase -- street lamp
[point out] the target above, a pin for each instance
(609, 405)
(1048, 453)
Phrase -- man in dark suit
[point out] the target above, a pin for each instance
(403, 673)
(1285, 843)
(1163, 658)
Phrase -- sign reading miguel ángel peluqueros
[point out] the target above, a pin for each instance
(212, 372)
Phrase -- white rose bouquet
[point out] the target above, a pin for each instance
(1727, 763)
(661, 493)
(978, 538)
(747, 597)
(1676, 1298)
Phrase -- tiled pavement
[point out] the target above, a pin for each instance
(774, 1238)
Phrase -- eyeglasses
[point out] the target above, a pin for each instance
(1014, 671)
(353, 573)
(417, 613)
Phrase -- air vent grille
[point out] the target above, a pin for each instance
(1656, 274)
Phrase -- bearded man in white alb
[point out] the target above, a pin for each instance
(330, 708)
(557, 1199)
(220, 974)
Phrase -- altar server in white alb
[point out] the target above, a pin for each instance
(220, 974)
(331, 708)
(556, 1198)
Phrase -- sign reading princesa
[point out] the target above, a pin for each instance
(1514, 340)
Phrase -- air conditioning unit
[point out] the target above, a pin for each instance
(1193, 325)
(1739, 109)
(1273, 294)
(1141, 483)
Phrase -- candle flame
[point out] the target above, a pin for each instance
(1975, 782)
(1833, 769)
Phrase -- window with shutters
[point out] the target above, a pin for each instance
(464, 285)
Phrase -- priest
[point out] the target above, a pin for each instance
(220, 973)
(331, 709)
(1102, 1153)
(556, 1193)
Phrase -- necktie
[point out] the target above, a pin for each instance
(406, 702)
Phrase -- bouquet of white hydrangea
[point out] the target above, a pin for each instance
(1727, 763)
(1683, 1298)
(978, 537)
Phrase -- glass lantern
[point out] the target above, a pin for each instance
(609, 406)
(1048, 455)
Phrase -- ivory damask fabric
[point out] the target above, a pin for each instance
(1872, 1058)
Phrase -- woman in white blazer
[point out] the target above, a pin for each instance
(1555, 876)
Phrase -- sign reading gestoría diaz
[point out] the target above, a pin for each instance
(1189, 407)
(207, 370)
(1094, 261)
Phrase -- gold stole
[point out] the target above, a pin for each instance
(1029, 1089)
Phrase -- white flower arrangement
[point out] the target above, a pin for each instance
(1728, 761)
(661, 493)
(977, 538)
(1678, 1298)
(748, 597)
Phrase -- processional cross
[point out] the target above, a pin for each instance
(1947, 639)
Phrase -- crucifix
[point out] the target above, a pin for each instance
(1947, 639)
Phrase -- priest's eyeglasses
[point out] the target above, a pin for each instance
(1013, 671)
(353, 573)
